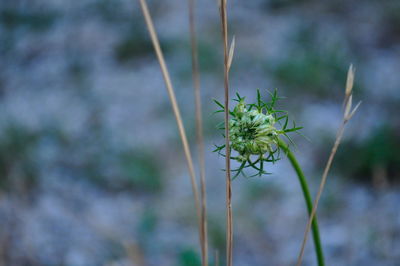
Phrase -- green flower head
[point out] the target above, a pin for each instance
(254, 132)
(251, 131)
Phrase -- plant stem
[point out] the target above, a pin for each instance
(308, 199)
(175, 108)
(199, 134)
(229, 216)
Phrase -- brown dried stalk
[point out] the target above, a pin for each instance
(346, 117)
(175, 108)
(227, 64)
(199, 133)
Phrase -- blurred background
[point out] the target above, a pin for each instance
(91, 165)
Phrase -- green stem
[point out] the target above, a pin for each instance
(308, 199)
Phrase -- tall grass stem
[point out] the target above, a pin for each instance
(199, 132)
(175, 108)
(229, 217)
(348, 114)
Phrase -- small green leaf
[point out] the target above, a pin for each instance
(219, 104)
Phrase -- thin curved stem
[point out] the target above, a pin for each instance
(199, 134)
(308, 199)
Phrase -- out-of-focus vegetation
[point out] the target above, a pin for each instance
(311, 66)
(91, 169)
(375, 159)
(20, 162)
(189, 257)
(18, 167)
(27, 19)
(134, 44)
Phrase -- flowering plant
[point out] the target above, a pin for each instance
(255, 131)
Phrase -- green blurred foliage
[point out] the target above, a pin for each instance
(115, 251)
(209, 57)
(145, 231)
(13, 19)
(255, 191)
(311, 72)
(381, 150)
(312, 68)
(110, 11)
(78, 70)
(147, 224)
(390, 34)
(18, 165)
(331, 203)
(208, 60)
(134, 170)
(282, 4)
(139, 170)
(35, 20)
(189, 257)
(135, 41)
(216, 229)
(135, 44)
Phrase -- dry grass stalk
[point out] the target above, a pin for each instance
(175, 108)
(348, 114)
(227, 60)
(199, 133)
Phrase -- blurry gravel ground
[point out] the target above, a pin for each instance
(83, 102)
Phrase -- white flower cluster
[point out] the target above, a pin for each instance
(252, 132)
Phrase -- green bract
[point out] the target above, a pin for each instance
(254, 131)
